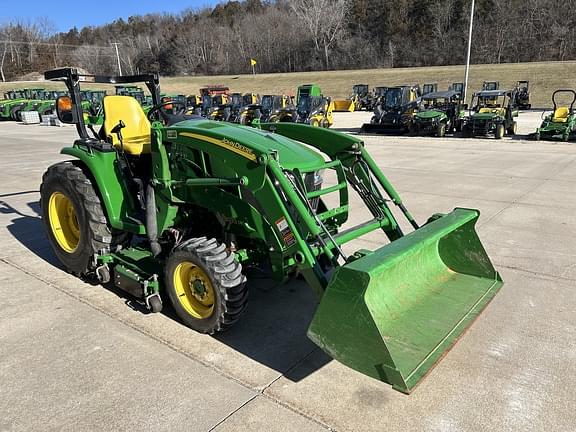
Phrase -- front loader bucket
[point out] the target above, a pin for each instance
(392, 314)
(343, 106)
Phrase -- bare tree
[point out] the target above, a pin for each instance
(325, 19)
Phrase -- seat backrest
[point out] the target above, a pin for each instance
(499, 111)
(136, 134)
(561, 114)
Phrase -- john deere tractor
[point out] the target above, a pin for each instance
(173, 210)
(493, 112)
(561, 123)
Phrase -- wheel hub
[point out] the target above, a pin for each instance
(198, 289)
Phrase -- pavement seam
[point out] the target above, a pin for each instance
(167, 344)
(543, 276)
(230, 414)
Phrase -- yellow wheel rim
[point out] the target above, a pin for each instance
(194, 290)
(64, 222)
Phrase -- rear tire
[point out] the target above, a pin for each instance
(74, 218)
(205, 285)
(499, 133)
(513, 128)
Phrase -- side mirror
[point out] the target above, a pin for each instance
(65, 110)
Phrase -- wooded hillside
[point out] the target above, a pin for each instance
(300, 35)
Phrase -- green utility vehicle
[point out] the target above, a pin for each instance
(174, 210)
(439, 113)
(394, 111)
(561, 123)
(493, 112)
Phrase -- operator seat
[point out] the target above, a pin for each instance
(561, 115)
(136, 135)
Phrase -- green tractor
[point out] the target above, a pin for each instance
(173, 209)
(440, 113)
(561, 123)
(17, 101)
(493, 114)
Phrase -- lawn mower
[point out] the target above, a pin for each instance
(493, 112)
(173, 209)
(561, 123)
(439, 113)
(394, 111)
(523, 95)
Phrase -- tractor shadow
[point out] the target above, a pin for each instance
(272, 332)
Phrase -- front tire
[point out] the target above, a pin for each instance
(441, 130)
(205, 285)
(74, 218)
(499, 133)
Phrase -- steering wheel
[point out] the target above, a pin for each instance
(159, 111)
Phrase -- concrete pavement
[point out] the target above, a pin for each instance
(83, 357)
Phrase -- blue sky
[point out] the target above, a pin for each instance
(67, 14)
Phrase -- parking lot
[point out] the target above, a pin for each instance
(75, 356)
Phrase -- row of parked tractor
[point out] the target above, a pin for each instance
(409, 109)
(427, 111)
(216, 102)
(18, 101)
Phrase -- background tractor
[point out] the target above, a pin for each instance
(315, 111)
(439, 113)
(429, 88)
(523, 95)
(357, 100)
(493, 112)
(561, 123)
(275, 108)
(174, 210)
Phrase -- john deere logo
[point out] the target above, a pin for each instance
(239, 147)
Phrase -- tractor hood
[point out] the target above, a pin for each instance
(247, 141)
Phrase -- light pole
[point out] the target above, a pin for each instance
(118, 57)
(468, 55)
